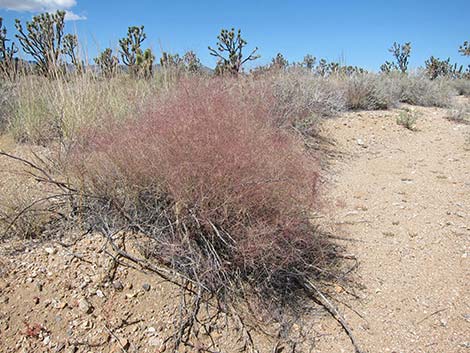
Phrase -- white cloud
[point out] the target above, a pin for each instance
(43, 5)
(37, 5)
(70, 16)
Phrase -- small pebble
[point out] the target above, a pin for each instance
(85, 306)
(118, 285)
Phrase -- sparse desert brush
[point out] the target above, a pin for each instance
(407, 118)
(299, 93)
(460, 113)
(418, 90)
(369, 92)
(224, 196)
(467, 142)
(462, 86)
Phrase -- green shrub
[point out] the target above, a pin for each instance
(407, 119)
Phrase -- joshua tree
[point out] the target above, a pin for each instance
(279, 62)
(322, 67)
(8, 63)
(440, 68)
(188, 62)
(70, 48)
(144, 63)
(309, 61)
(170, 60)
(388, 67)
(107, 62)
(42, 39)
(464, 49)
(401, 53)
(131, 47)
(192, 62)
(230, 52)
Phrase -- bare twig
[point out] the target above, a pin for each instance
(431, 315)
(330, 307)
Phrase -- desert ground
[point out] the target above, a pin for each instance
(397, 200)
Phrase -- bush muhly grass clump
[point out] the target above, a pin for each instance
(224, 196)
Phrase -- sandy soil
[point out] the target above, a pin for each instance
(400, 199)
(406, 197)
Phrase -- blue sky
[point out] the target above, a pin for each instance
(356, 32)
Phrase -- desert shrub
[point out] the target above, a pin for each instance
(467, 142)
(298, 93)
(407, 118)
(418, 90)
(461, 86)
(369, 92)
(223, 195)
(459, 113)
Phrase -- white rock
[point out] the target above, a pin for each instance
(46, 340)
(50, 251)
(155, 342)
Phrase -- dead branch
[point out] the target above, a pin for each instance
(331, 308)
